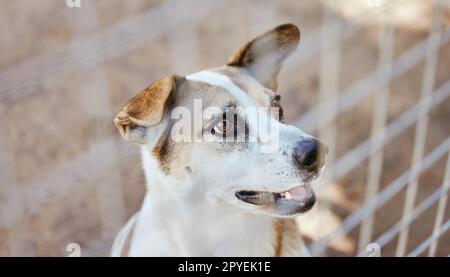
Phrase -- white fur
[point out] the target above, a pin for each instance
(220, 80)
(123, 235)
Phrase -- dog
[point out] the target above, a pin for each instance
(219, 194)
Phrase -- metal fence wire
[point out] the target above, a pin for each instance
(91, 61)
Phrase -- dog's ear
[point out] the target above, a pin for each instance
(264, 55)
(146, 109)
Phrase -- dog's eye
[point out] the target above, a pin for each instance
(222, 127)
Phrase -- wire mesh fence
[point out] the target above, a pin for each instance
(370, 78)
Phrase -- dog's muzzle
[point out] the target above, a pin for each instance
(309, 158)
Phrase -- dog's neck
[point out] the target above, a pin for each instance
(169, 225)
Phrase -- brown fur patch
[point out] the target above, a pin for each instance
(264, 55)
(287, 237)
(145, 109)
(163, 151)
(149, 104)
(278, 242)
(275, 102)
(284, 35)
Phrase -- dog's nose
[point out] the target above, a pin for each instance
(310, 155)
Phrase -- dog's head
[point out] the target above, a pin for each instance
(218, 135)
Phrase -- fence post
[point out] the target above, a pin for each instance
(329, 77)
(422, 124)
(441, 208)
(379, 117)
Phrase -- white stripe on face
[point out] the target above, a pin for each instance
(222, 81)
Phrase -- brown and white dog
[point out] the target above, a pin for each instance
(219, 191)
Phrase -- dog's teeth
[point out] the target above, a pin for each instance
(287, 195)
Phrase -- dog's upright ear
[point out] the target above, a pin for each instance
(264, 55)
(146, 109)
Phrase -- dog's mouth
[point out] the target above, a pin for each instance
(296, 200)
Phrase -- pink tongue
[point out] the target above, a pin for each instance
(300, 192)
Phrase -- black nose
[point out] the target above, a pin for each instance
(310, 155)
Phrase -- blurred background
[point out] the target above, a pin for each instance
(371, 78)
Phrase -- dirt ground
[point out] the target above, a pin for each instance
(66, 176)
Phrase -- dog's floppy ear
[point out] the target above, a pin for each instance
(264, 55)
(144, 110)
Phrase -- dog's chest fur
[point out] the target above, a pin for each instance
(221, 234)
(192, 227)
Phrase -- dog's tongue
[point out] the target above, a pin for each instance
(298, 193)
